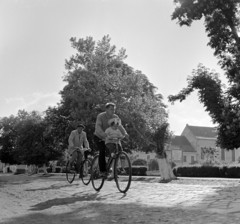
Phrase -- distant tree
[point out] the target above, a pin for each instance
(35, 144)
(221, 20)
(8, 138)
(26, 139)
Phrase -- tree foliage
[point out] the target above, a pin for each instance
(25, 139)
(97, 74)
(221, 20)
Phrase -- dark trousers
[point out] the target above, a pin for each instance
(101, 147)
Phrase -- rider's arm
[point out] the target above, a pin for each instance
(122, 130)
(86, 143)
(70, 140)
(108, 133)
(99, 126)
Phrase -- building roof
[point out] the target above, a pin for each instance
(203, 132)
(183, 143)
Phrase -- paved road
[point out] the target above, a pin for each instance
(36, 199)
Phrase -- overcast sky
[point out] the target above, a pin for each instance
(34, 43)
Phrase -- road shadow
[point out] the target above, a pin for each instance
(64, 201)
(11, 179)
(104, 213)
(52, 187)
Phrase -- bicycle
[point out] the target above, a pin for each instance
(122, 170)
(84, 170)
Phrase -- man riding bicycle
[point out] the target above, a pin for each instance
(76, 140)
(102, 123)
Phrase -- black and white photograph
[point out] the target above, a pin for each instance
(119, 111)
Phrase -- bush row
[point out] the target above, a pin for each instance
(207, 171)
(138, 170)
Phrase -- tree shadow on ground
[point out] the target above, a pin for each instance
(226, 200)
(97, 212)
(52, 187)
(25, 179)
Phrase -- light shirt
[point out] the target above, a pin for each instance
(112, 133)
(77, 140)
(102, 125)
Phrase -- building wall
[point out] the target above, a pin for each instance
(228, 156)
(190, 157)
(190, 137)
(187, 155)
(142, 155)
(204, 143)
(198, 143)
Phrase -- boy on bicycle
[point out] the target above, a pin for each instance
(113, 139)
(76, 140)
(113, 134)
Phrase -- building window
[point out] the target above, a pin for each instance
(223, 154)
(192, 159)
(233, 155)
(185, 159)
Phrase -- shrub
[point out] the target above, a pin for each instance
(58, 170)
(153, 164)
(139, 162)
(231, 171)
(138, 170)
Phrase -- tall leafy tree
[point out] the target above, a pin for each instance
(98, 74)
(221, 20)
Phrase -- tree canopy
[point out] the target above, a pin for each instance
(26, 139)
(96, 74)
(221, 20)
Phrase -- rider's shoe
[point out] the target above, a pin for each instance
(103, 175)
(110, 177)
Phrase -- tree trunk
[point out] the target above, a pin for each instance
(165, 170)
(45, 168)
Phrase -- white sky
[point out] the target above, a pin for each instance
(34, 43)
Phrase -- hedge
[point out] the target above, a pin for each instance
(139, 162)
(138, 170)
(231, 171)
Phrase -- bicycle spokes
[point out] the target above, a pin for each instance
(97, 181)
(86, 171)
(70, 173)
(123, 172)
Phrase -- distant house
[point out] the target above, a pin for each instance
(200, 137)
(181, 151)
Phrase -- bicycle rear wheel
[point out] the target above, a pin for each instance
(70, 174)
(97, 181)
(86, 171)
(123, 172)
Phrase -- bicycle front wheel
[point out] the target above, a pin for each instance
(70, 174)
(123, 172)
(86, 171)
(97, 181)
